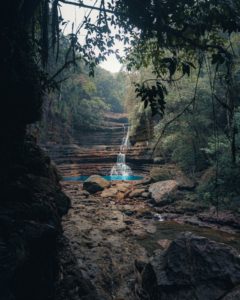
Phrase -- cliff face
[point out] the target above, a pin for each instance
(96, 151)
(31, 208)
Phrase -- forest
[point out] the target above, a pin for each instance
(121, 185)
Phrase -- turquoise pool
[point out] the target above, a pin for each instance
(109, 178)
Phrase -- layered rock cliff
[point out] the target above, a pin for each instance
(96, 151)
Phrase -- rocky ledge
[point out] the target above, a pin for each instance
(95, 152)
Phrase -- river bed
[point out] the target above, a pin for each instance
(108, 234)
(170, 230)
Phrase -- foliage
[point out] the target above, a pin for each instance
(196, 130)
(153, 96)
(174, 36)
(82, 102)
(111, 88)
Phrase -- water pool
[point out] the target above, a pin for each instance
(108, 178)
(169, 230)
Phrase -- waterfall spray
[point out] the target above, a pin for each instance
(121, 168)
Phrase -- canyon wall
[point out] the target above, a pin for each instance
(95, 152)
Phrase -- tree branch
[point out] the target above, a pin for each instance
(87, 6)
(181, 113)
(170, 122)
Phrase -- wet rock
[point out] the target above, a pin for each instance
(146, 195)
(115, 222)
(129, 212)
(95, 183)
(112, 192)
(163, 192)
(136, 193)
(84, 193)
(192, 267)
(184, 183)
(120, 196)
(139, 233)
(145, 215)
(172, 172)
(222, 218)
(234, 295)
(95, 150)
(123, 187)
(128, 222)
(164, 243)
(150, 228)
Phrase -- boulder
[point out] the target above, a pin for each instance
(184, 182)
(136, 193)
(163, 192)
(192, 267)
(83, 193)
(171, 172)
(164, 243)
(109, 193)
(95, 183)
(234, 295)
(146, 195)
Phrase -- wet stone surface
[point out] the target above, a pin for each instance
(111, 229)
(103, 233)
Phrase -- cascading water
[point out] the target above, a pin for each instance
(121, 168)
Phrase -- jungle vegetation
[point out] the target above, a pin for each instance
(199, 129)
(80, 101)
(173, 38)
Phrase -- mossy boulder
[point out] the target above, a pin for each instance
(171, 172)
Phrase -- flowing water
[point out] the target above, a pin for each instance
(120, 171)
(121, 168)
(108, 178)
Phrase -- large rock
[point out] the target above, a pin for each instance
(192, 267)
(95, 183)
(163, 192)
(234, 295)
(171, 172)
(109, 193)
(136, 193)
(31, 205)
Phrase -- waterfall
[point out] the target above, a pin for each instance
(121, 168)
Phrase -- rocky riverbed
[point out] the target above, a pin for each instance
(110, 230)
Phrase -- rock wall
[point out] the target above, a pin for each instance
(192, 267)
(96, 151)
(31, 207)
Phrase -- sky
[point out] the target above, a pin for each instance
(75, 15)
